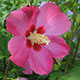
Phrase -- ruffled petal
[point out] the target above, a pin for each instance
(18, 49)
(58, 47)
(17, 23)
(27, 68)
(32, 14)
(54, 22)
(41, 61)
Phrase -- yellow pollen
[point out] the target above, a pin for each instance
(39, 38)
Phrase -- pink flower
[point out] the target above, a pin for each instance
(36, 38)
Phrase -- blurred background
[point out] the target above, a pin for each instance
(72, 9)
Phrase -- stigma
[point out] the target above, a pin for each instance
(39, 38)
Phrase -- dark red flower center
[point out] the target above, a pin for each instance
(35, 37)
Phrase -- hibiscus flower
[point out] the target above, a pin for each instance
(36, 38)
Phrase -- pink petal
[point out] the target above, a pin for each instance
(32, 13)
(18, 49)
(54, 22)
(58, 47)
(47, 11)
(60, 59)
(41, 61)
(17, 23)
(27, 68)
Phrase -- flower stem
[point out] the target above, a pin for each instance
(4, 63)
(75, 54)
(7, 68)
(72, 34)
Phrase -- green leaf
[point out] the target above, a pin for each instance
(55, 75)
(1, 14)
(75, 5)
(78, 18)
(7, 3)
(1, 75)
(68, 5)
(67, 0)
(62, 78)
(72, 1)
(55, 67)
(54, 0)
(58, 62)
(3, 44)
(73, 74)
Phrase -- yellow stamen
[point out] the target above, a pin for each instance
(39, 38)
